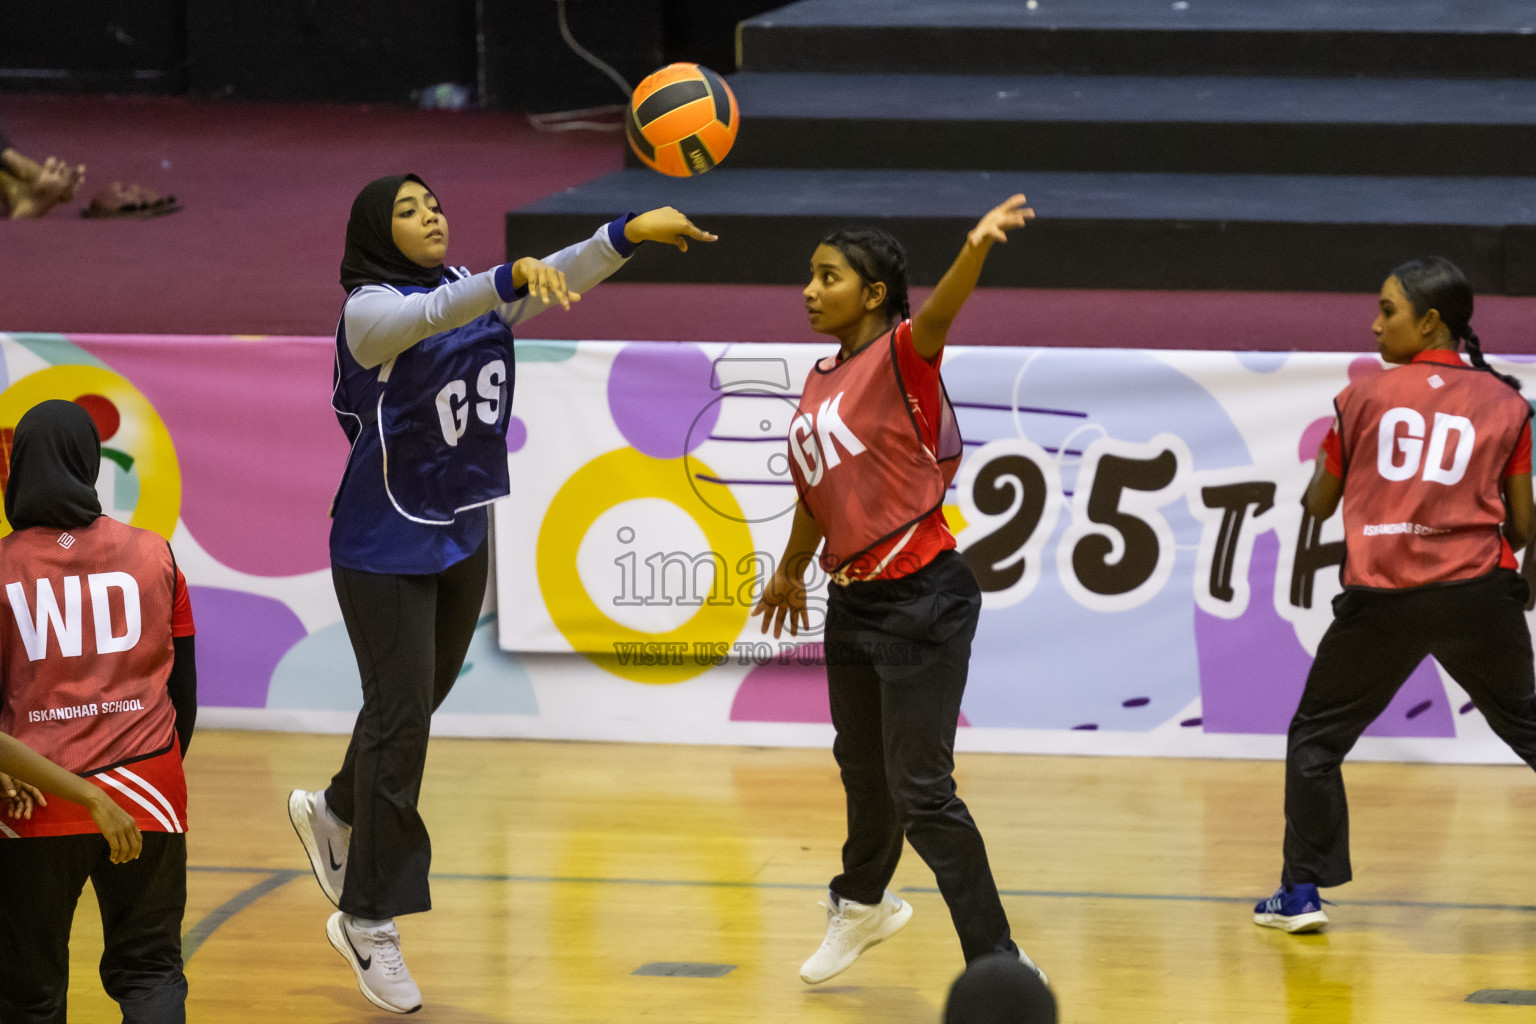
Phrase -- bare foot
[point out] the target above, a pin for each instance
(55, 182)
(76, 179)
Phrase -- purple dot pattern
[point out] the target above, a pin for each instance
(1136, 702)
(1243, 694)
(656, 392)
(517, 434)
(240, 639)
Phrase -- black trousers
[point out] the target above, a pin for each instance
(1475, 629)
(897, 656)
(410, 634)
(142, 903)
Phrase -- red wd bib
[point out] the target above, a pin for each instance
(858, 457)
(85, 647)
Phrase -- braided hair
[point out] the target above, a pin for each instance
(875, 255)
(1434, 282)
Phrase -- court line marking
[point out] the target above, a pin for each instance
(1187, 898)
(1035, 893)
(199, 933)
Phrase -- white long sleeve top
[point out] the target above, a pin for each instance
(381, 321)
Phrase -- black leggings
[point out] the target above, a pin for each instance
(410, 634)
(898, 652)
(142, 903)
(1476, 630)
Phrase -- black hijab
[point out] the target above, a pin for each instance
(55, 456)
(372, 256)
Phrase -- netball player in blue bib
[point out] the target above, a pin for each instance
(423, 389)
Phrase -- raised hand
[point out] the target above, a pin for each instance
(998, 221)
(665, 225)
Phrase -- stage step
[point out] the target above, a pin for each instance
(1205, 124)
(1096, 230)
(1409, 38)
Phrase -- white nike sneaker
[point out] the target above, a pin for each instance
(374, 954)
(324, 837)
(851, 929)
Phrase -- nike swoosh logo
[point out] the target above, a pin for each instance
(365, 962)
(330, 855)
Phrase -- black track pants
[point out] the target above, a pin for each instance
(897, 656)
(410, 634)
(1476, 630)
(142, 903)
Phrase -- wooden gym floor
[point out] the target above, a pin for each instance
(561, 868)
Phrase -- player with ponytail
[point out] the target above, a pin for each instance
(1432, 461)
(1435, 283)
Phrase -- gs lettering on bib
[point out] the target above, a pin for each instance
(431, 422)
(857, 455)
(441, 418)
(1424, 449)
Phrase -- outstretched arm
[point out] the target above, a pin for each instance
(562, 276)
(930, 325)
(667, 226)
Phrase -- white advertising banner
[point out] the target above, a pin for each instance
(1134, 519)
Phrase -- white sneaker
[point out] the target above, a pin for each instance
(324, 837)
(374, 954)
(851, 929)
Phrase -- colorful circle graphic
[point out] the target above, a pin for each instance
(606, 481)
(136, 431)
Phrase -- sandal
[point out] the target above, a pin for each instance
(118, 200)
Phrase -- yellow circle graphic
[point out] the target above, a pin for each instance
(141, 434)
(606, 481)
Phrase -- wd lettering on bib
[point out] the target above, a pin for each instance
(67, 625)
(87, 647)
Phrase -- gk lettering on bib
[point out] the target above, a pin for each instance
(858, 457)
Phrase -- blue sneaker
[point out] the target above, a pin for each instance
(1296, 908)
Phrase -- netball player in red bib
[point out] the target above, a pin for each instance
(97, 673)
(873, 448)
(1433, 463)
